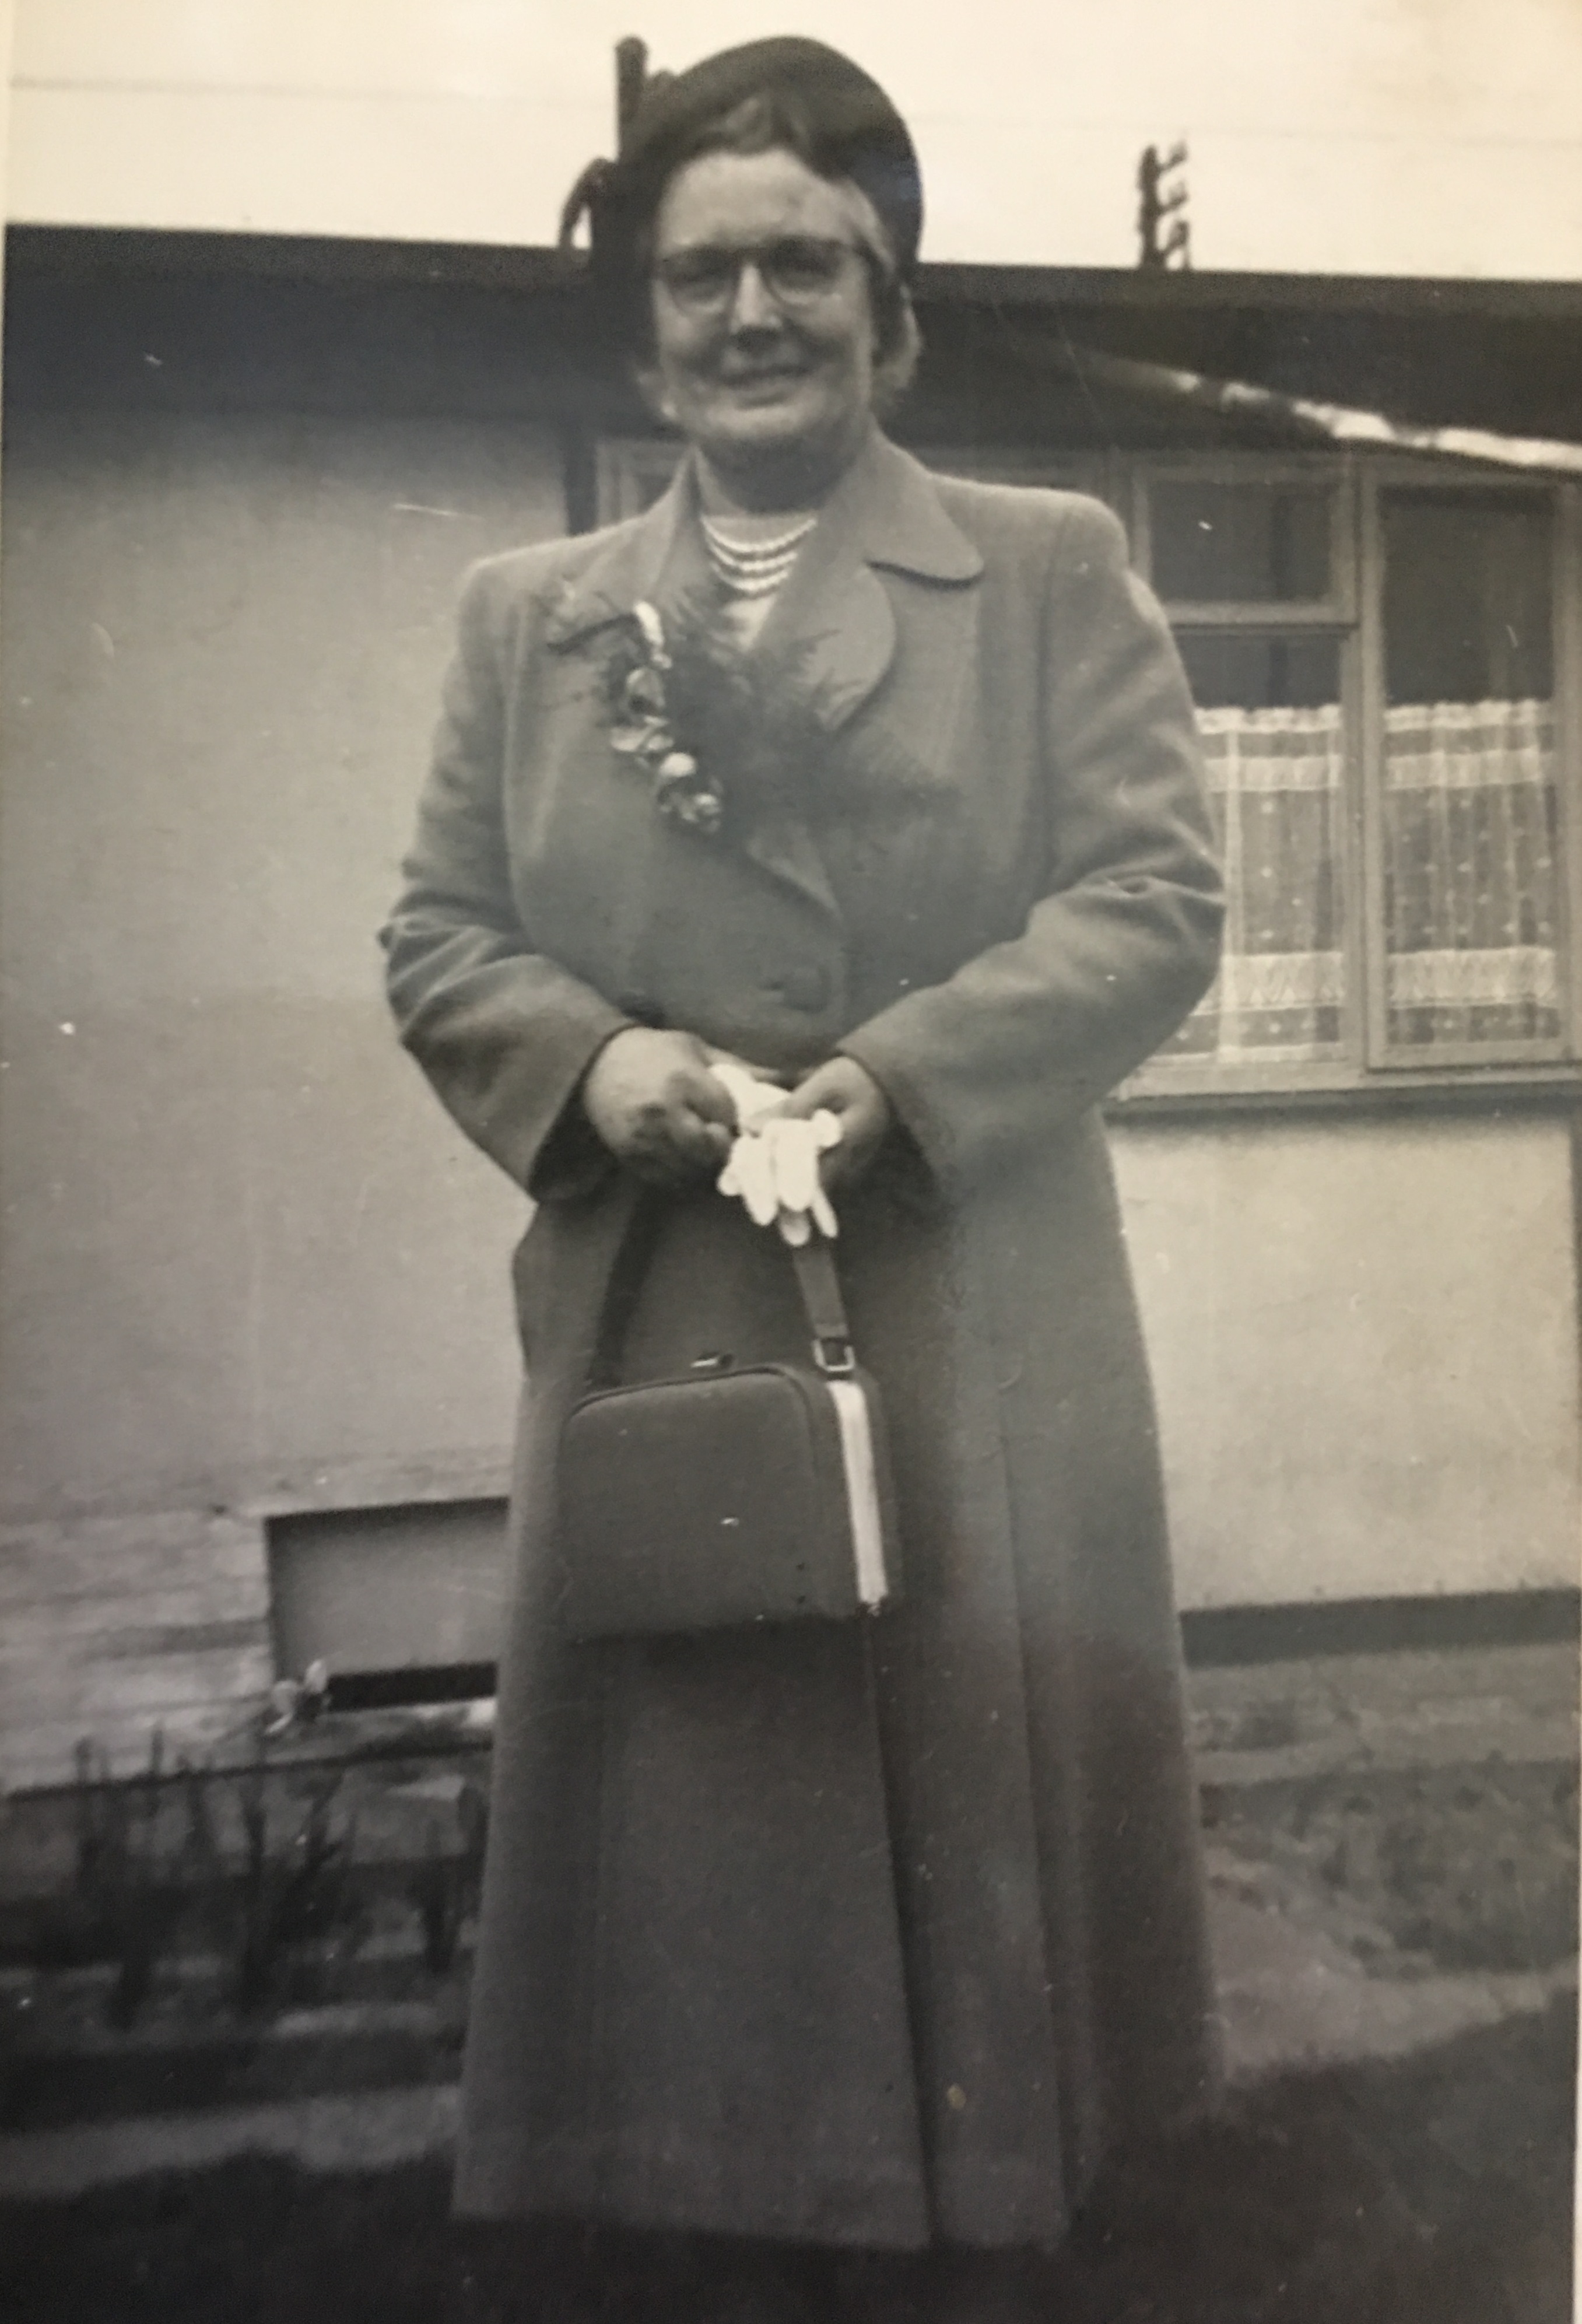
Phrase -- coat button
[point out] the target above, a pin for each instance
(807, 987)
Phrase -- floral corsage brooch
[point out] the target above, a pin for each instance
(640, 727)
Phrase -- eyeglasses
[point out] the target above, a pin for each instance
(796, 271)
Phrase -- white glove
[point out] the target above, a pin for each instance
(772, 1167)
(750, 1092)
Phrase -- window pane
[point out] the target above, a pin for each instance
(1471, 854)
(1273, 748)
(1260, 673)
(1469, 612)
(1259, 544)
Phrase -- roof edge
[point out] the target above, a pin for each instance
(68, 249)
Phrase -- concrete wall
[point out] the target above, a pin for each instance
(1371, 136)
(1365, 1340)
(241, 1250)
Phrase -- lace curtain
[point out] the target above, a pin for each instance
(1471, 891)
(1471, 903)
(1276, 795)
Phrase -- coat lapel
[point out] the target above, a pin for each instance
(835, 620)
(837, 628)
(835, 623)
(629, 569)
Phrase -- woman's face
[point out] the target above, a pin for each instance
(763, 326)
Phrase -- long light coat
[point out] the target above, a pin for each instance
(882, 1931)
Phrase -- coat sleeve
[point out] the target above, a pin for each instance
(503, 1033)
(1126, 937)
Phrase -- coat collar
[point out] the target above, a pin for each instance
(884, 512)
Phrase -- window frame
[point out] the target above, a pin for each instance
(1380, 1055)
(1568, 745)
(1335, 611)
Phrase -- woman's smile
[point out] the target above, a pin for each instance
(761, 375)
(765, 383)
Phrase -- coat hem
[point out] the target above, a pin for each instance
(885, 2214)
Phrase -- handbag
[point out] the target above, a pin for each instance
(732, 1495)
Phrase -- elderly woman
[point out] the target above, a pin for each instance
(877, 1934)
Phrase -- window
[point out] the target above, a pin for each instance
(1470, 902)
(1258, 544)
(1386, 658)
(1379, 654)
(1257, 573)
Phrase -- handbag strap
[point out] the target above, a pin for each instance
(624, 1287)
(825, 1306)
(822, 1302)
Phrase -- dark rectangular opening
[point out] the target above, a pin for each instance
(393, 1690)
(402, 1596)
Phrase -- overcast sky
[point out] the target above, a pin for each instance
(1414, 136)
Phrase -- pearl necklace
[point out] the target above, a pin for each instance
(754, 569)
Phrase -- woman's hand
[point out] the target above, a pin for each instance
(656, 1105)
(842, 1087)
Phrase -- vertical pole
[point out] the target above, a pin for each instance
(1148, 208)
(1157, 201)
(579, 469)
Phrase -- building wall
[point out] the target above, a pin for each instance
(242, 1250)
(1373, 137)
(1363, 1333)
(245, 1265)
